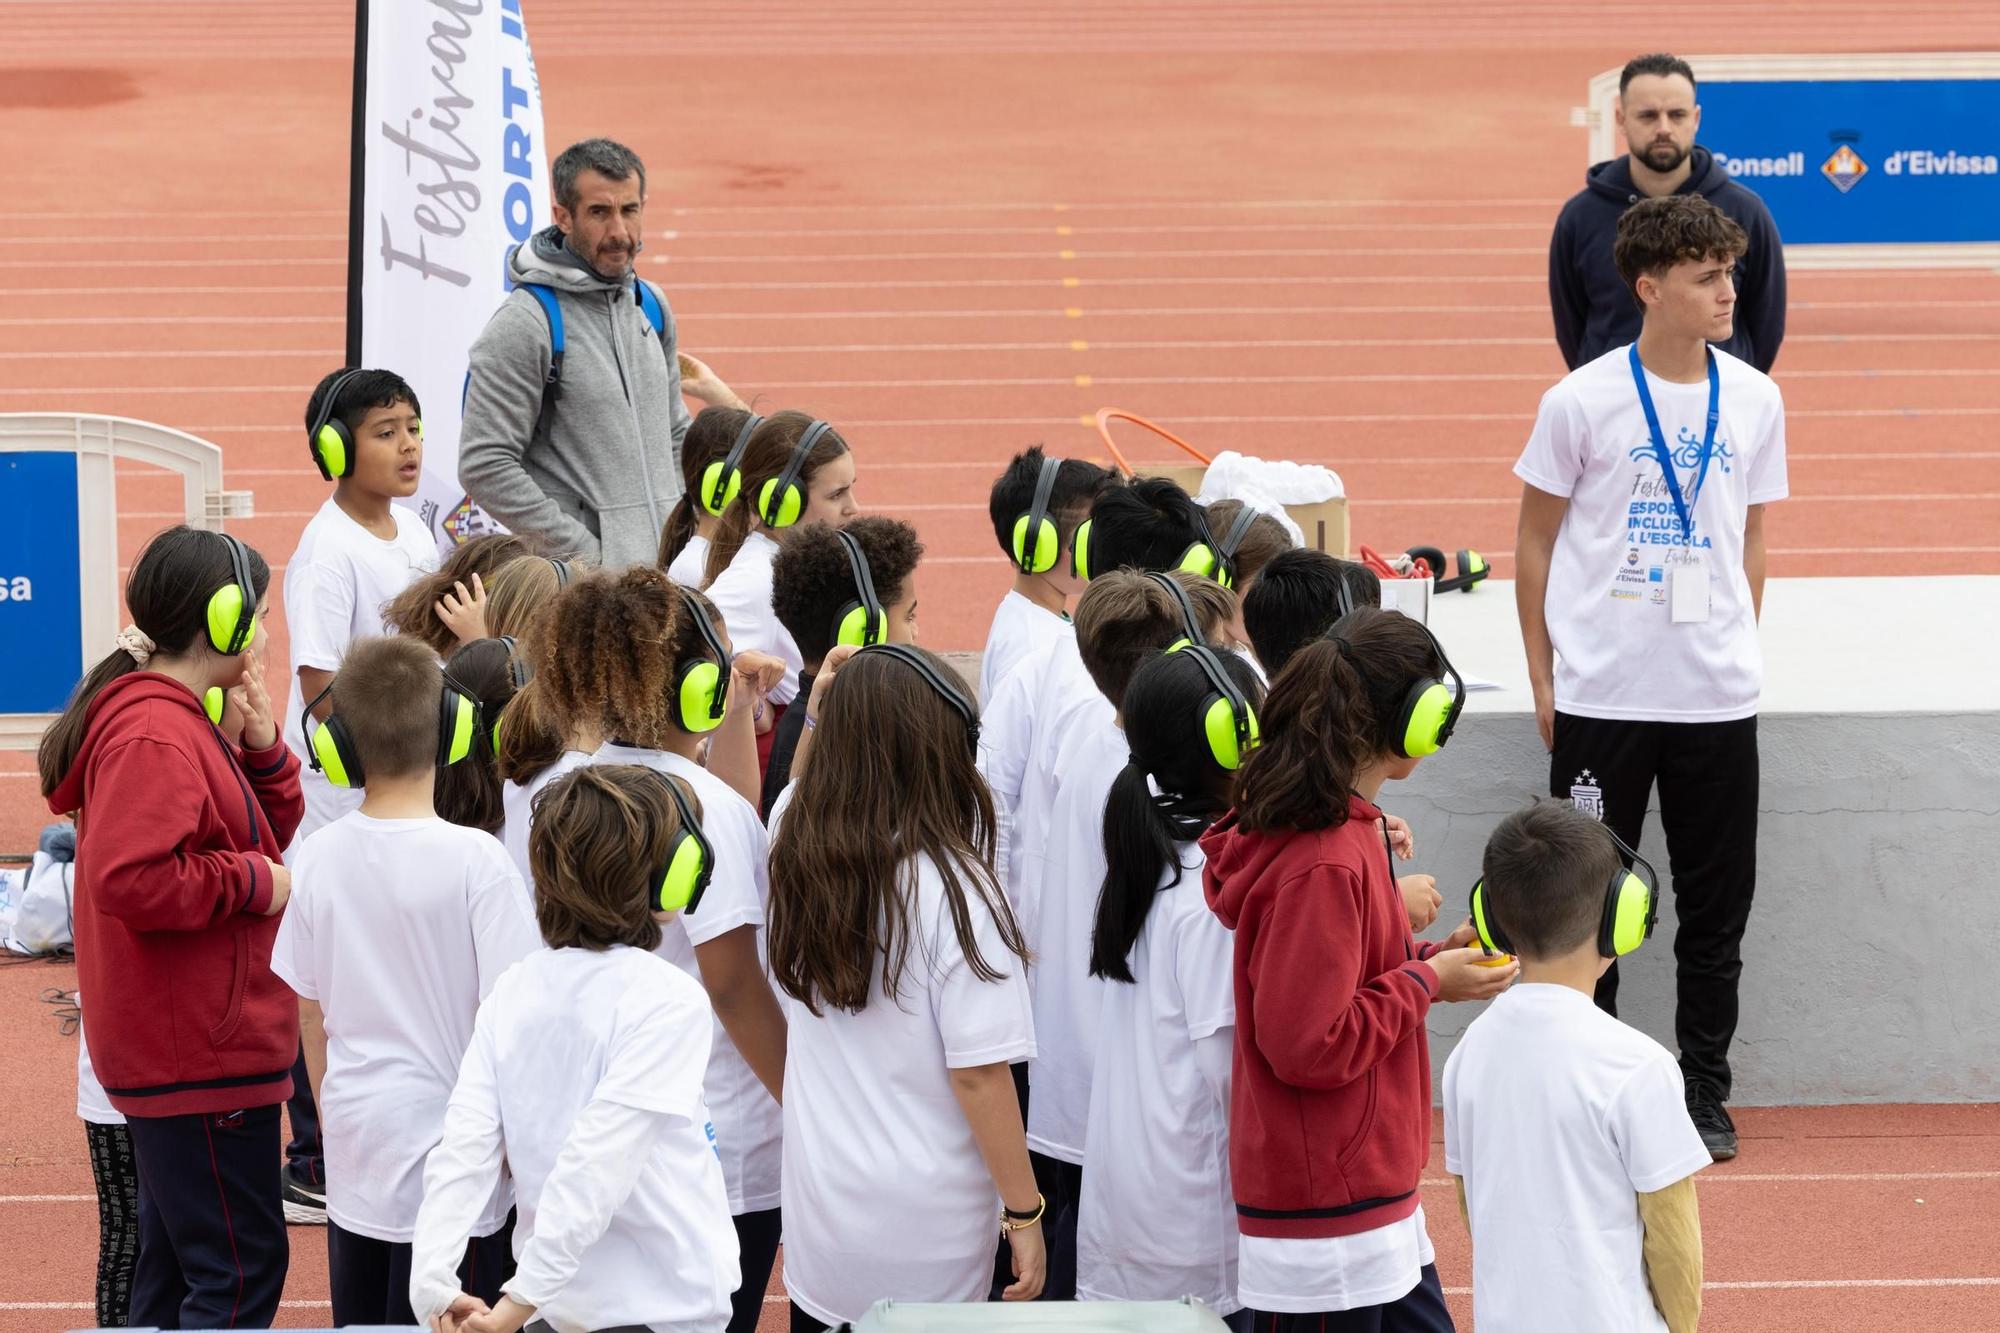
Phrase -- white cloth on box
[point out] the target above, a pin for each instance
(1232, 474)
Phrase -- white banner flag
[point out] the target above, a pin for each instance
(451, 174)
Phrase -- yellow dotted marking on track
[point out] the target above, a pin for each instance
(1088, 421)
(1083, 381)
(1074, 312)
(1072, 282)
(1064, 231)
(1078, 345)
(1065, 254)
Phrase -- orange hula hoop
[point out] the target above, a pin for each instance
(1107, 415)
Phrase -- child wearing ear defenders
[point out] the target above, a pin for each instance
(1123, 618)
(1330, 1119)
(820, 602)
(584, 1082)
(398, 927)
(365, 435)
(1154, 1221)
(1567, 1131)
(1036, 504)
(690, 527)
(178, 885)
(791, 469)
(906, 977)
(644, 658)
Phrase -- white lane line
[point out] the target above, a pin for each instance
(1136, 205)
(1073, 233)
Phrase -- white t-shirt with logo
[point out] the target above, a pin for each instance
(517, 803)
(886, 1194)
(1020, 629)
(1067, 863)
(336, 584)
(742, 596)
(1157, 1220)
(585, 1077)
(398, 928)
(1558, 1116)
(748, 1124)
(1618, 654)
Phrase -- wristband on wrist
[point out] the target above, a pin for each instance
(1011, 1220)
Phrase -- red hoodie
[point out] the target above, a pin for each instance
(1330, 1099)
(172, 946)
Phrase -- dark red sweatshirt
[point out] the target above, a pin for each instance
(1330, 1099)
(172, 947)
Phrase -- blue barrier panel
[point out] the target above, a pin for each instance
(1864, 161)
(41, 614)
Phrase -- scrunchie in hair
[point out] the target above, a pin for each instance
(138, 643)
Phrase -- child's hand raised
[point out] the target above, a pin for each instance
(1463, 975)
(462, 612)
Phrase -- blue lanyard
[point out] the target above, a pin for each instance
(1683, 508)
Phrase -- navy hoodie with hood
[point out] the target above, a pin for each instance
(1594, 310)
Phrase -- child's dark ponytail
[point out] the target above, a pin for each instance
(468, 793)
(167, 596)
(1328, 716)
(1143, 831)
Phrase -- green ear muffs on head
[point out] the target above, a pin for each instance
(1430, 708)
(1228, 722)
(782, 499)
(1631, 909)
(722, 482)
(701, 685)
(1037, 543)
(327, 438)
(679, 885)
(458, 722)
(232, 608)
(864, 620)
(1079, 551)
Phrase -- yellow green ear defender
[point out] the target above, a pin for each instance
(1079, 551)
(782, 499)
(862, 621)
(722, 482)
(679, 885)
(331, 443)
(1631, 908)
(211, 703)
(232, 608)
(1036, 541)
(330, 747)
(701, 686)
(1228, 722)
(1430, 708)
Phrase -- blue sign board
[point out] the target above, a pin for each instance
(41, 612)
(1864, 161)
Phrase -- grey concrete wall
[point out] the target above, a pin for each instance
(1872, 948)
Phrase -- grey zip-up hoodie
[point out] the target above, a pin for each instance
(596, 478)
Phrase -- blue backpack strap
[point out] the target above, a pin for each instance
(552, 309)
(649, 302)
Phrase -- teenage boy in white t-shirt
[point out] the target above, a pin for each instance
(398, 927)
(1641, 574)
(1566, 1130)
(365, 434)
(1035, 490)
(584, 1081)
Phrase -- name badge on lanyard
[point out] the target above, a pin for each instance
(1687, 569)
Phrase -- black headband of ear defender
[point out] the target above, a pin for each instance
(1189, 620)
(706, 629)
(945, 689)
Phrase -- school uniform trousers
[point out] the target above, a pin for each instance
(1707, 774)
(212, 1245)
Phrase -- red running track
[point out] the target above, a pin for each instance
(1305, 230)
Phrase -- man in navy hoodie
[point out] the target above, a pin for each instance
(1594, 310)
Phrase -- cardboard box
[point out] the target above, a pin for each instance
(1324, 524)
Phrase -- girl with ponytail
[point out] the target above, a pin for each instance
(1330, 1108)
(178, 890)
(690, 528)
(1155, 1220)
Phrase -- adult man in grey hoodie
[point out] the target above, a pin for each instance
(590, 465)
